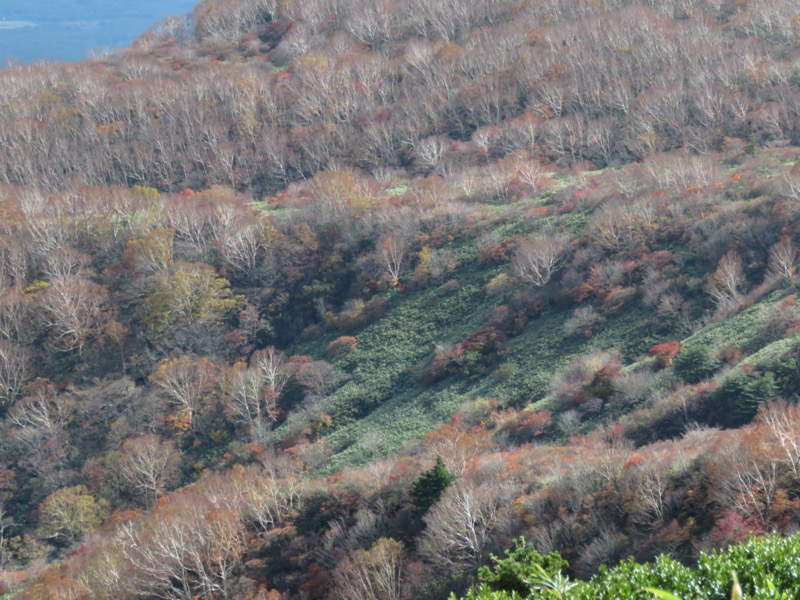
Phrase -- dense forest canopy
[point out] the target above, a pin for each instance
(337, 299)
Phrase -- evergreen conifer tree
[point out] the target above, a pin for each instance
(429, 487)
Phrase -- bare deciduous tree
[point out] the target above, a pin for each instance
(536, 260)
(149, 465)
(726, 283)
(782, 259)
(269, 494)
(248, 399)
(428, 152)
(14, 371)
(462, 525)
(392, 248)
(748, 476)
(374, 574)
(16, 317)
(650, 492)
(75, 311)
(783, 421)
(621, 225)
(272, 364)
(186, 382)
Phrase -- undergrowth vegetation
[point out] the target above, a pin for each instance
(757, 568)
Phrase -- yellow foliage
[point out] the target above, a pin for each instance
(424, 255)
(193, 291)
(363, 204)
(149, 193)
(37, 286)
(313, 63)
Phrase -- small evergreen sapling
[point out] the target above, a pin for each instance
(429, 487)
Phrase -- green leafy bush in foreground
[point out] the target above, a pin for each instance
(767, 568)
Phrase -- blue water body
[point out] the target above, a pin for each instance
(68, 30)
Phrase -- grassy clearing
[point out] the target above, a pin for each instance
(385, 405)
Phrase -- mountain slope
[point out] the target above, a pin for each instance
(258, 275)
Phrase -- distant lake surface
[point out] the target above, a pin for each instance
(68, 29)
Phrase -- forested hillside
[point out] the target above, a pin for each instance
(335, 299)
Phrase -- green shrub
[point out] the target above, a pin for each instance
(521, 565)
(695, 363)
(738, 398)
(766, 568)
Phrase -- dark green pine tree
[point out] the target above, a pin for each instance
(429, 487)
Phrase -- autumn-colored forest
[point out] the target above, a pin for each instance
(337, 298)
